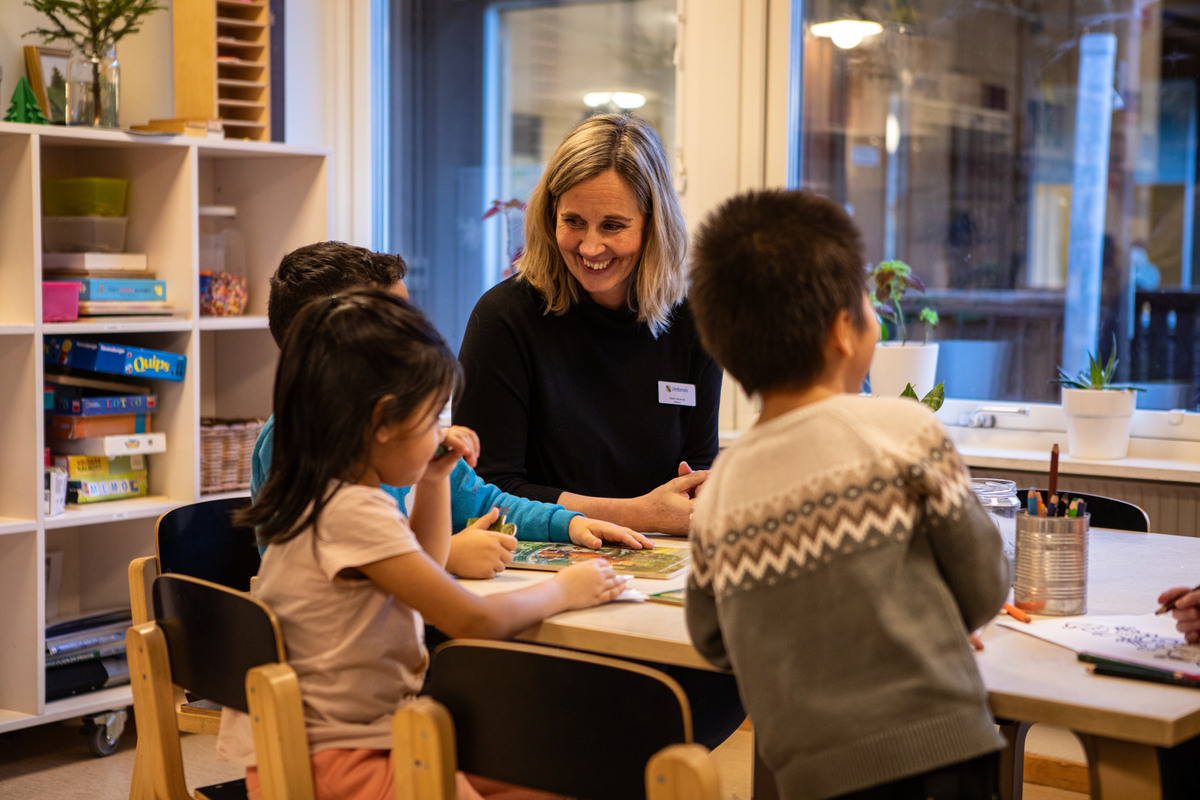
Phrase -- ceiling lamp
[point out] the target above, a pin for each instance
(622, 100)
(846, 33)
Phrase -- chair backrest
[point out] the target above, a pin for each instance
(200, 539)
(523, 713)
(1107, 512)
(217, 642)
(214, 636)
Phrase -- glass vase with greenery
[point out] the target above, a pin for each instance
(94, 27)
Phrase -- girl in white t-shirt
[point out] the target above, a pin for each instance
(361, 379)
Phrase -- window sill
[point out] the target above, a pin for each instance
(1165, 445)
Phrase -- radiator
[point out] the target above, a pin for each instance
(1172, 507)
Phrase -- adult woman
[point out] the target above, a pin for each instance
(585, 378)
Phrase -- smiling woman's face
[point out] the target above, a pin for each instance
(599, 227)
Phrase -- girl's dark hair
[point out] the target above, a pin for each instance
(341, 356)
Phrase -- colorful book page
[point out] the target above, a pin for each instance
(660, 562)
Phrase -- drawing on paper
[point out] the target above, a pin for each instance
(1145, 643)
(1144, 639)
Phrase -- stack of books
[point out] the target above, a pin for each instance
(110, 284)
(86, 653)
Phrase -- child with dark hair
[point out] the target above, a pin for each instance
(326, 268)
(850, 516)
(362, 378)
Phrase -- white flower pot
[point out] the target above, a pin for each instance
(896, 365)
(1098, 421)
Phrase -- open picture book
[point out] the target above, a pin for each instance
(660, 562)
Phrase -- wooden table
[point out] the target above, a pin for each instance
(1120, 722)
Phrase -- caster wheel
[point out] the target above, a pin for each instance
(99, 742)
(104, 732)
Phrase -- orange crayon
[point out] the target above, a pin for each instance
(1017, 613)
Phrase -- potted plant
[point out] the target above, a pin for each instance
(1099, 411)
(897, 361)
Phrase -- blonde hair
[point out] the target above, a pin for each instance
(631, 148)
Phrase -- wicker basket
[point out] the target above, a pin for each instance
(226, 447)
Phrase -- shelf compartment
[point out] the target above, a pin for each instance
(115, 511)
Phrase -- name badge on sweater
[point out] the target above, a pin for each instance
(677, 394)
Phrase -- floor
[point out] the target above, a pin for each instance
(52, 761)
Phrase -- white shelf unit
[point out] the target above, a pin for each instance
(282, 198)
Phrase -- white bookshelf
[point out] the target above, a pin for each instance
(282, 197)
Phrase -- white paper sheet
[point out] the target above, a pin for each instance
(1148, 639)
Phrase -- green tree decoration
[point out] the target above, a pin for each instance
(24, 105)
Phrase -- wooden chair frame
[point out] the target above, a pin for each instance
(198, 716)
(270, 694)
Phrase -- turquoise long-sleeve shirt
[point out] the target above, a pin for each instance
(470, 496)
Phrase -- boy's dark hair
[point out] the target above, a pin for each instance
(770, 271)
(340, 358)
(321, 270)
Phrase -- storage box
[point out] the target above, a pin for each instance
(113, 446)
(117, 359)
(94, 467)
(83, 234)
(70, 426)
(106, 404)
(114, 487)
(60, 301)
(79, 197)
(121, 289)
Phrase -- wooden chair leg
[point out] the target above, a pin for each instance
(1012, 758)
(141, 787)
(423, 750)
(682, 772)
(277, 715)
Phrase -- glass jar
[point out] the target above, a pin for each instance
(222, 263)
(93, 86)
(999, 498)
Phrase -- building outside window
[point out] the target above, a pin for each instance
(1035, 163)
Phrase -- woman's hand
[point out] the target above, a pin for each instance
(590, 583)
(668, 508)
(588, 532)
(1186, 611)
(477, 552)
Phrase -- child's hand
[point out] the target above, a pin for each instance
(587, 532)
(1186, 611)
(457, 442)
(477, 552)
(590, 583)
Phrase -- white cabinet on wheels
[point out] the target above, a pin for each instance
(281, 196)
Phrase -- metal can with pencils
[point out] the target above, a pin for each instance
(1051, 564)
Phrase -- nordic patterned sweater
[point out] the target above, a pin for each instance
(839, 561)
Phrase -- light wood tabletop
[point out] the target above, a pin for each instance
(1119, 721)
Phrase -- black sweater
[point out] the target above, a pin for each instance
(571, 403)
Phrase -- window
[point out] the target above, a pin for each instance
(1035, 163)
(482, 93)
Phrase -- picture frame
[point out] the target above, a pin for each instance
(47, 71)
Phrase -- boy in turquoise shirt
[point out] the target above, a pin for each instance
(326, 268)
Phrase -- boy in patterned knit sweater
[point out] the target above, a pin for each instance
(840, 558)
